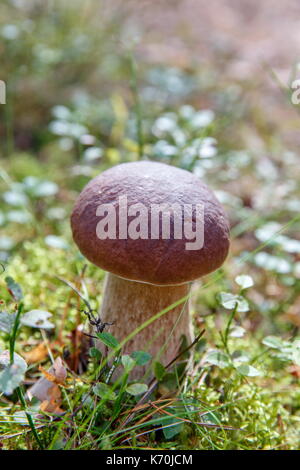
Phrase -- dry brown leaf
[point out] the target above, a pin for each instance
(47, 390)
(53, 404)
(57, 378)
(37, 354)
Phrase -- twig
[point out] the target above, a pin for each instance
(75, 290)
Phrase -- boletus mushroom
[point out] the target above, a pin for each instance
(155, 229)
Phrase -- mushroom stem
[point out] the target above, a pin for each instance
(129, 304)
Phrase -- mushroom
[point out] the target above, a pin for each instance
(148, 253)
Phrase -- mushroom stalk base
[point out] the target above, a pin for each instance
(129, 304)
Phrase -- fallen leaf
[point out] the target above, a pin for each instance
(52, 405)
(47, 390)
(37, 354)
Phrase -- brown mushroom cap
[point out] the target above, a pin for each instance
(161, 261)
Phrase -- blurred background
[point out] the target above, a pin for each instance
(206, 87)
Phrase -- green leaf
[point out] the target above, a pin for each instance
(18, 217)
(15, 198)
(217, 358)
(237, 331)
(230, 301)
(104, 391)
(14, 288)
(127, 362)
(171, 431)
(141, 357)
(273, 342)
(248, 371)
(240, 357)
(95, 353)
(273, 263)
(37, 319)
(211, 417)
(6, 243)
(56, 242)
(267, 231)
(159, 370)
(11, 375)
(244, 281)
(296, 352)
(109, 340)
(170, 381)
(44, 189)
(136, 389)
(7, 321)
